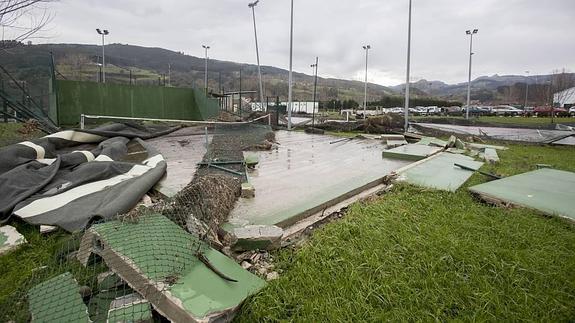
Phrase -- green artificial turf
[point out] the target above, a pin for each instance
(420, 255)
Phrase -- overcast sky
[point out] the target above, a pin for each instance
(514, 35)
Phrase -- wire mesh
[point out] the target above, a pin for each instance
(139, 266)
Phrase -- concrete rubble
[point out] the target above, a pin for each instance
(10, 239)
(257, 237)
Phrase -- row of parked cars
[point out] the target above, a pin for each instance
(500, 110)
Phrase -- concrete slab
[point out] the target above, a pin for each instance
(439, 171)
(411, 152)
(252, 237)
(10, 239)
(568, 141)
(431, 141)
(547, 190)
(306, 174)
(490, 155)
(159, 260)
(182, 150)
(57, 300)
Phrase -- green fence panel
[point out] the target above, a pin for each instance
(77, 97)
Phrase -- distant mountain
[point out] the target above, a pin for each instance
(76, 61)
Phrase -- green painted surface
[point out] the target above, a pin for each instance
(57, 300)
(411, 152)
(440, 172)
(431, 140)
(547, 190)
(76, 98)
(161, 249)
(141, 312)
(3, 238)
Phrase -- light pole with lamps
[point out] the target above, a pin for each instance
(206, 69)
(526, 89)
(314, 91)
(103, 33)
(470, 33)
(290, 78)
(253, 5)
(406, 106)
(366, 48)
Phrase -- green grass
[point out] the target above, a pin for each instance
(419, 255)
(9, 134)
(505, 120)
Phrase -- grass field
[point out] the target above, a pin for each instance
(507, 120)
(421, 255)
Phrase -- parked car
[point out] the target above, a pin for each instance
(506, 110)
(572, 111)
(477, 111)
(546, 112)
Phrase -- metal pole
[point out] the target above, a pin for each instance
(258, 55)
(314, 92)
(206, 68)
(169, 74)
(469, 77)
(406, 107)
(290, 68)
(365, 84)
(103, 61)
(240, 102)
(526, 89)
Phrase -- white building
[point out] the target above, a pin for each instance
(297, 106)
(565, 97)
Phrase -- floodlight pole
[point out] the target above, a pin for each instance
(406, 106)
(206, 68)
(103, 33)
(526, 89)
(314, 92)
(290, 79)
(470, 33)
(367, 48)
(253, 5)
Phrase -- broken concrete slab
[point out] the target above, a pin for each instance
(439, 171)
(167, 266)
(475, 146)
(432, 141)
(130, 308)
(57, 300)
(411, 152)
(10, 239)
(248, 191)
(456, 151)
(567, 141)
(547, 190)
(254, 237)
(490, 155)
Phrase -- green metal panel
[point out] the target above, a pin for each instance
(547, 190)
(76, 98)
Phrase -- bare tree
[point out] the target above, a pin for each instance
(23, 19)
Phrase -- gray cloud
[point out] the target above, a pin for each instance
(514, 35)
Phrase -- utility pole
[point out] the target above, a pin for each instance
(367, 48)
(206, 69)
(526, 89)
(314, 92)
(290, 79)
(169, 74)
(103, 33)
(406, 107)
(470, 33)
(240, 102)
(253, 5)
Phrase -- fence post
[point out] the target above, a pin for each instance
(82, 121)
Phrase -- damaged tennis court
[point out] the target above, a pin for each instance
(173, 221)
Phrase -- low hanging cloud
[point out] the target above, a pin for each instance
(514, 35)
